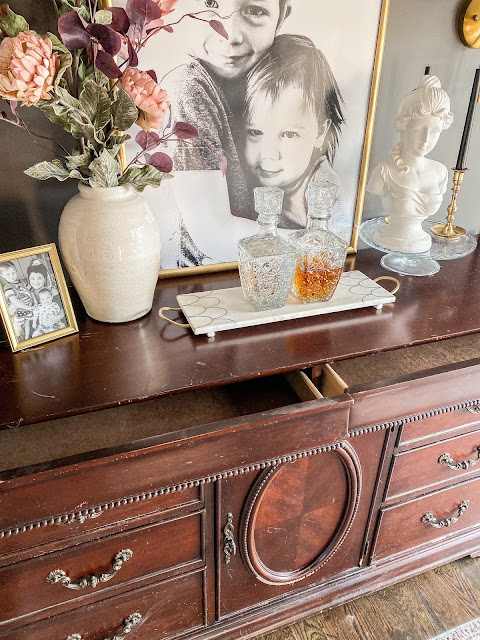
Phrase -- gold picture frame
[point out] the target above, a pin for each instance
(364, 148)
(35, 305)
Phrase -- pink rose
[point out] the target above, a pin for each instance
(147, 95)
(27, 68)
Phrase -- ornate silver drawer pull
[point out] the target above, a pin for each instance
(59, 575)
(429, 518)
(474, 409)
(461, 464)
(128, 624)
(229, 546)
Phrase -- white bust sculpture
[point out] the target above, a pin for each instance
(412, 186)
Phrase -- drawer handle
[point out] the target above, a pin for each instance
(461, 464)
(128, 624)
(229, 546)
(429, 518)
(59, 575)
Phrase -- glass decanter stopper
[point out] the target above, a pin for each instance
(266, 262)
(320, 253)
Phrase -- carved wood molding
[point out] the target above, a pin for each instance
(247, 534)
(414, 418)
(93, 512)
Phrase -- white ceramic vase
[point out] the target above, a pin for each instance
(110, 244)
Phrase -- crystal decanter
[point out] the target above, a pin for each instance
(320, 253)
(266, 262)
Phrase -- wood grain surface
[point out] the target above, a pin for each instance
(109, 365)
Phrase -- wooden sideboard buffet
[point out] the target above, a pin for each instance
(160, 485)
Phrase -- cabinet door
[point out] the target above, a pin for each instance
(294, 523)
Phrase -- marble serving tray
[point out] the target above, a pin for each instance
(224, 309)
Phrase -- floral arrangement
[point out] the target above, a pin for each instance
(86, 79)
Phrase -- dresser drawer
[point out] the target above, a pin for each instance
(445, 462)
(159, 472)
(152, 612)
(428, 519)
(93, 570)
(428, 403)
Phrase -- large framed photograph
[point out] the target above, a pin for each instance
(34, 301)
(288, 98)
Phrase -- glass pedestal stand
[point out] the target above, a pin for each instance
(418, 264)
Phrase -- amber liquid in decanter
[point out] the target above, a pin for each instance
(316, 281)
(320, 253)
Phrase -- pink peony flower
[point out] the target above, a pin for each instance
(27, 68)
(147, 95)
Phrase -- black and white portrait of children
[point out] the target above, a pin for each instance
(285, 98)
(34, 301)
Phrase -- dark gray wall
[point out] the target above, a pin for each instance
(420, 32)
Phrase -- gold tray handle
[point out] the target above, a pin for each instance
(177, 324)
(59, 575)
(446, 458)
(429, 518)
(128, 624)
(392, 279)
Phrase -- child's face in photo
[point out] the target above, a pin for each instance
(281, 137)
(36, 280)
(251, 29)
(9, 273)
(45, 297)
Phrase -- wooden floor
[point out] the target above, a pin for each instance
(418, 609)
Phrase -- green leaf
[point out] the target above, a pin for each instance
(65, 62)
(103, 17)
(67, 97)
(83, 12)
(57, 43)
(94, 101)
(104, 171)
(78, 127)
(12, 24)
(141, 177)
(56, 113)
(81, 161)
(45, 170)
(114, 140)
(125, 113)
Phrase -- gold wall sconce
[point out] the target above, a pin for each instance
(469, 24)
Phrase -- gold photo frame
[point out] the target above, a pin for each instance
(35, 305)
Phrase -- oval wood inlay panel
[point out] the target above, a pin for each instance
(298, 514)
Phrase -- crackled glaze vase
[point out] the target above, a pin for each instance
(110, 244)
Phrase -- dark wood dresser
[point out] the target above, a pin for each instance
(160, 485)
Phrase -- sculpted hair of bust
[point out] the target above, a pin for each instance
(429, 99)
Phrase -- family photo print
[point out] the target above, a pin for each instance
(282, 93)
(34, 301)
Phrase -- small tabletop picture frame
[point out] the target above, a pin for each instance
(34, 302)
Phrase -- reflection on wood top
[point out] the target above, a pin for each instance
(109, 365)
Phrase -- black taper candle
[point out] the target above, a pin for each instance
(427, 71)
(467, 130)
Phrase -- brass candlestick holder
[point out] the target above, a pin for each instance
(449, 230)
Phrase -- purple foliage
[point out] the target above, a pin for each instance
(147, 140)
(120, 21)
(222, 164)
(132, 55)
(107, 65)
(161, 161)
(107, 37)
(152, 75)
(73, 33)
(219, 28)
(184, 131)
